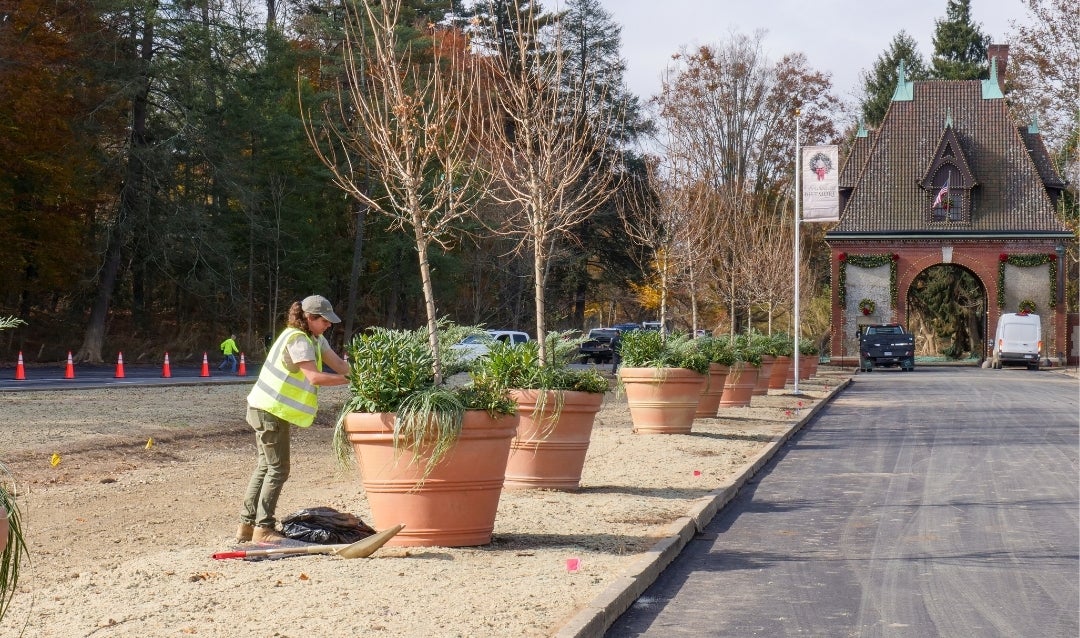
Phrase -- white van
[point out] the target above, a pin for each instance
(1018, 340)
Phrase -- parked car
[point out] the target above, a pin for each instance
(1017, 341)
(886, 345)
(651, 325)
(625, 327)
(475, 346)
(600, 347)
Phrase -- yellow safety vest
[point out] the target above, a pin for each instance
(287, 395)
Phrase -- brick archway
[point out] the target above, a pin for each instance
(981, 258)
(973, 262)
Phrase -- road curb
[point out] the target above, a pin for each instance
(605, 609)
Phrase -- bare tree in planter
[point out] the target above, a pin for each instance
(409, 110)
(549, 154)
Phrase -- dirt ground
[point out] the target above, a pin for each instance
(126, 493)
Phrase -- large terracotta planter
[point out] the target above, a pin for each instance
(455, 505)
(761, 386)
(739, 386)
(808, 364)
(712, 391)
(662, 400)
(547, 454)
(778, 378)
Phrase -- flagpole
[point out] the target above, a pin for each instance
(798, 188)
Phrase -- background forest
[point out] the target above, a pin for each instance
(169, 171)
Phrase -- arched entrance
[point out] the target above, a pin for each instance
(947, 312)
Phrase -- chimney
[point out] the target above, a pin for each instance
(1001, 52)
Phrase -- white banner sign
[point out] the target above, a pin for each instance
(820, 184)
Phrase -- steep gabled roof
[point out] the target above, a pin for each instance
(860, 150)
(1010, 191)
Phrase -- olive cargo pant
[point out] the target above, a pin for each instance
(271, 471)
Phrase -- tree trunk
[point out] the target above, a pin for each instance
(538, 293)
(129, 204)
(429, 297)
(354, 274)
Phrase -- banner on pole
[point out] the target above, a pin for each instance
(820, 183)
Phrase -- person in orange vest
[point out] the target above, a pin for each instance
(229, 349)
(285, 395)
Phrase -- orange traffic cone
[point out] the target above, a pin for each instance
(242, 372)
(20, 370)
(205, 366)
(119, 366)
(69, 372)
(166, 372)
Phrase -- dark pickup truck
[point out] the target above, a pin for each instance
(886, 345)
(600, 346)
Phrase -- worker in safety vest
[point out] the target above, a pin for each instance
(229, 349)
(285, 395)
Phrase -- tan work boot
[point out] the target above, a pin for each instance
(244, 532)
(266, 535)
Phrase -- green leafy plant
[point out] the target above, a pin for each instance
(520, 367)
(780, 344)
(652, 349)
(808, 347)
(717, 350)
(15, 549)
(393, 371)
(748, 348)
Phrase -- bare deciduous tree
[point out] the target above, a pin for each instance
(549, 157)
(731, 111)
(411, 115)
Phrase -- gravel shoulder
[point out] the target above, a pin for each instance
(149, 480)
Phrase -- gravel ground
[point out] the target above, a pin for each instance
(126, 493)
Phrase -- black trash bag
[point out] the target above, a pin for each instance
(324, 525)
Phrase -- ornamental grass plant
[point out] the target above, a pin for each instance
(14, 545)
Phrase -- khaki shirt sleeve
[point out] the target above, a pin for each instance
(298, 350)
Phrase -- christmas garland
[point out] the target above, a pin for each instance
(1025, 261)
(867, 261)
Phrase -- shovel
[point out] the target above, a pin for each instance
(360, 549)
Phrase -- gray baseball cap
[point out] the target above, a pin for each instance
(318, 305)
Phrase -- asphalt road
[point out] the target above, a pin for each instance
(940, 502)
(101, 376)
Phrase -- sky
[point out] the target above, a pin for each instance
(842, 37)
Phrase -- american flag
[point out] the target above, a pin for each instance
(940, 201)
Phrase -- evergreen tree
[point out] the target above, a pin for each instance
(879, 83)
(959, 45)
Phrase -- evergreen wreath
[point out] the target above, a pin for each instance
(1026, 306)
(867, 261)
(867, 306)
(1026, 261)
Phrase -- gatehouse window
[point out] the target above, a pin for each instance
(949, 201)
